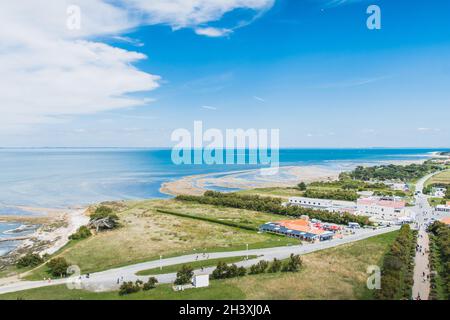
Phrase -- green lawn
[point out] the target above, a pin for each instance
(147, 233)
(194, 265)
(443, 177)
(335, 273)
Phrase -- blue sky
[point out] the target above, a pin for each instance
(309, 68)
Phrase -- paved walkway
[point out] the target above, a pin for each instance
(421, 287)
(111, 279)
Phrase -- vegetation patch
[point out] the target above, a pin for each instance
(398, 267)
(440, 260)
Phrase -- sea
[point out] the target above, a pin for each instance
(66, 177)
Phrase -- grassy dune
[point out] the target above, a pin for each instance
(336, 273)
(443, 177)
(146, 234)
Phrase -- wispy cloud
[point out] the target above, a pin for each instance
(350, 83)
(259, 98)
(208, 107)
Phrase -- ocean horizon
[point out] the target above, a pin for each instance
(67, 177)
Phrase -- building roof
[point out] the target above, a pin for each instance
(300, 225)
(396, 204)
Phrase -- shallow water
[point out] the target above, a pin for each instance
(59, 178)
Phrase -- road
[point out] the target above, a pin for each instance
(108, 280)
(424, 213)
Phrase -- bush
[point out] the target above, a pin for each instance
(129, 287)
(275, 266)
(30, 260)
(184, 276)
(293, 264)
(82, 233)
(397, 269)
(223, 271)
(58, 267)
(104, 218)
(260, 267)
(150, 284)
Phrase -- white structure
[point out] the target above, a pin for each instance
(439, 192)
(383, 208)
(443, 208)
(397, 186)
(201, 281)
(323, 204)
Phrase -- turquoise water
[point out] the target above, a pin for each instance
(59, 178)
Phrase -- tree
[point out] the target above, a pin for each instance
(30, 260)
(58, 267)
(302, 186)
(103, 218)
(150, 284)
(184, 276)
(293, 264)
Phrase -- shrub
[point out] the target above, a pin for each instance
(293, 264)
(260, 267)
(184, 276)
(30, 260)
(129, 287)
(104, 218)
(223, 271)
(397, 269)
(82, 233)
(58, 267)
(275, 266)
(150, 284)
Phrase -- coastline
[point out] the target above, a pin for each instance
(287, 176)
(56, 225)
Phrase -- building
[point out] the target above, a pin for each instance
(440, 209)
(299, 228)
(323, 204)
(438, 192)
(383, 208)
(200, 281)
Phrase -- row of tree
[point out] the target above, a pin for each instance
(393, 172)
(398, 267)
(271, 205)
(331, 194)
(440, 260)
(429, 188)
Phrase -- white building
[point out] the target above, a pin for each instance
(201, 281)
(443, 208)
(323, 204)
(383, 208)
(439, 192)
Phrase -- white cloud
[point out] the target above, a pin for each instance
(49, 72)
(213, 32)
(259, 99)
(209, 108)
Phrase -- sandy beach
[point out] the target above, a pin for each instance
(287, 176)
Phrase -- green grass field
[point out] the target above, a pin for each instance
(443, 177)
(146, 234)
(336, 273)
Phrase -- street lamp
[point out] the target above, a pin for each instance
(247, 251)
